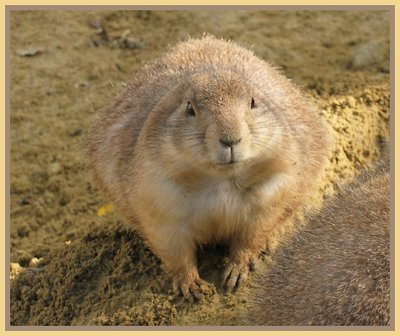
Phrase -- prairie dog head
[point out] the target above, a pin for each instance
(219, 121)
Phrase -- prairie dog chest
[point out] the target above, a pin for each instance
(221, 199)
(213, 208)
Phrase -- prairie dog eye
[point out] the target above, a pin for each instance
(190, 110)
(253, 103)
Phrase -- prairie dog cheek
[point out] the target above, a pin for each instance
(211, 143)
(267, 137)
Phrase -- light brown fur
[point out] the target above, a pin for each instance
(337, 270)
(175, 181)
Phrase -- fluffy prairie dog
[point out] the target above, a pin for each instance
(336, 271)
(208, 144)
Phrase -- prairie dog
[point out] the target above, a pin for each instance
(209, 143)
(336, 271)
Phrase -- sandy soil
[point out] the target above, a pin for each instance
(74, 265)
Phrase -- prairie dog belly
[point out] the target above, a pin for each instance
(215, 211)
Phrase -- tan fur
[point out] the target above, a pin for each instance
(337, 270)
(171, 175)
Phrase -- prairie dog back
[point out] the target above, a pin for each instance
(336, 271)
(208, 143)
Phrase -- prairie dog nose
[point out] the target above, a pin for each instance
(229, 142)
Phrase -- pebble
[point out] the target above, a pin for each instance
(29, 52)
(64, 199)
(15, 269)
(127, 42)
(82, 85)
(351, 102)
(54, 168)
(24, 200)
(75, 132)
(132, 43)
(35, 261)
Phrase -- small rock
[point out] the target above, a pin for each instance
(351, 102)
(95, 23)
(35, 262)
(101, 37)
(127, 42)
(132, 43)
(24, 200)
(54, 168)
(15, 269)
(64, 199)
(82, 85)
(76, 132)
(29, 52)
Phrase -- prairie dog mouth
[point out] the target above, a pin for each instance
(230, 163)
(229, 156)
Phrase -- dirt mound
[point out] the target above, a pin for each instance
(97, 274)
(88, 269)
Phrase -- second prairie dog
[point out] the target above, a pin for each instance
(337, 270)
(208, 144)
